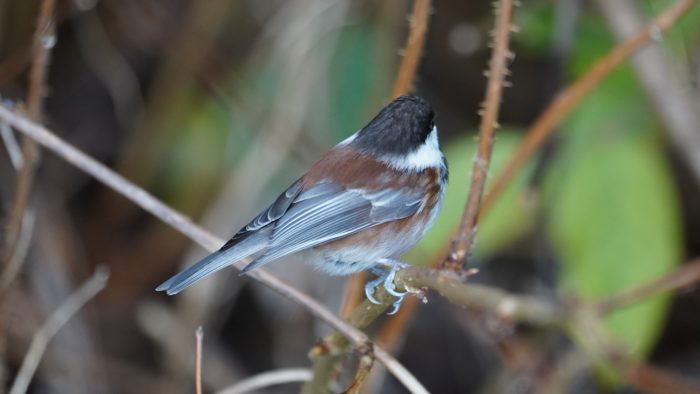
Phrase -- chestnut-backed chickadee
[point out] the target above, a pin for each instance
(366, 202)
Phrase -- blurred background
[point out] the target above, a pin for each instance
(216, 106)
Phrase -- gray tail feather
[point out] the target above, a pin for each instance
(269, 256)
(214, 262)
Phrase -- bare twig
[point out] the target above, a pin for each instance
(571, 96)
(267, 379)
(665, 83)
(414, 47)
(44, 40)
(498, 67)
(684, 276)
(54, 323)
(154, 206)
(199, 336)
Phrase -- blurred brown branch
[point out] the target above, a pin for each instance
(571, 96)
(684, 276)
(54, 323)
(43, 41)
(498, 69)
(178, 221)
(418, 22)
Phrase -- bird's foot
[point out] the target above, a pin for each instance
(387, 279)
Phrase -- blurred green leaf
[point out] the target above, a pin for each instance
(615, 214)
(508, 219)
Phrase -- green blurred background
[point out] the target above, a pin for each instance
(215, 106)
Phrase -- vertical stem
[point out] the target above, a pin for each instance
(44, 40)
(498, 66)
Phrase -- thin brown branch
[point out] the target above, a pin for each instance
(418, 22)
(199, 337)
(54, 323)
(686, 275)
(648, 379)
(184, 225)
(567, 100)
(267, 379)
(498, 67)
(44, 40)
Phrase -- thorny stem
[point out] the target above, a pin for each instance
(498, 67)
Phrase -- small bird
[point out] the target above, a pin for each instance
(361, 206)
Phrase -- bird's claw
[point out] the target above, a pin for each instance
(369, 289)
(387, 278)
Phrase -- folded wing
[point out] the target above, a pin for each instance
(329, 211)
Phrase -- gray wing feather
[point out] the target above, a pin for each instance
(332, 212)
(276, 209)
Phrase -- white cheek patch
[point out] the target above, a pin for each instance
(426, 156)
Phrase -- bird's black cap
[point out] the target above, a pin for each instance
(400, 127)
